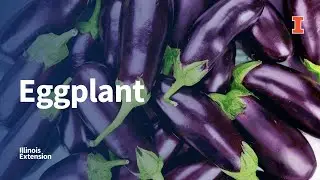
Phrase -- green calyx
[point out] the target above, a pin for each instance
(171, 55)
(149, 164)
(92, 26)
(240, 72)
(99, 168)
(50, 49)
(231, 103)
(315, 69)
(249, 165)
(185, 76)
(126, 108)
(52, 113)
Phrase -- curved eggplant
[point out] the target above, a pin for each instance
(270, 137)
(261, 42)
(279, 5)
(82, 167)
(201, 124)
(96, 116)
(211, 34)
(282, 87)
(38, 17)
(35, 65)
(186, 13)
(143, 32)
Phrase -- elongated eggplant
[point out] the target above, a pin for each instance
(281, 87)
(261, 42)
(308, 42)
(32, 131)
(111, 32)
(96, 116)
(38, 17)
(219, 78)
(47, 51)
(143, 31)
(82, 167)
(74, 134)
(271, 138)
(211, 34)
(185, 14)
(202, 125)
(85, 41)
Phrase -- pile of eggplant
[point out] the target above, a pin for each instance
(205, 116)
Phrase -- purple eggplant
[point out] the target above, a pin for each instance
(37, 64)
(32, 131)
(111, 32)
(278, 86)
(201, 124)
(144, 29)
(268, 44)
(219, 78)
(210, 36)
(82, 166)
(73, 132)
(96, 116)
(186, 13)
(38, 17)
(279, 147)
(279, 5)
(308, 43)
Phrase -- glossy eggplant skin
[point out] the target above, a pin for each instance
(274, 141)
(11, 109)
(216, 28)
(143, 32)
(185, 14)
(202, 125)
(268, 44)
(96, 116)
(197, 171)
(111, 19)
(81, 48)
(288, 90)
(33, 130)
(74, 167)
(38, 17)
(74, 134)
(279, 5)
(219, 78)
(309, 42)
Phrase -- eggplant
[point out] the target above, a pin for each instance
(59, 152)
(203, 126)
(96, 116)
(270, 137)
(283, 88)
(82, 166)
(32, 131)
(279, 5)
(261, 42)
(36, 18)
(219, 78)
(308, 43)
(211, 34)
(185, 14)
(144, 29)
(37, 64)
(74, 134)
(111, 32)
